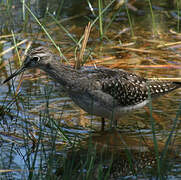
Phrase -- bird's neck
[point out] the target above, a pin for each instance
(65, 75)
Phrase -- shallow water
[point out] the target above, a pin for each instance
(40, 106)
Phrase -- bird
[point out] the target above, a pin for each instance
(108, 93)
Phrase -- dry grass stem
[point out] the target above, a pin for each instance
(13, 47)
(84, 44)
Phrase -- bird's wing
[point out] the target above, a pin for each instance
(126, 88)
(130, 89)
(123, 87)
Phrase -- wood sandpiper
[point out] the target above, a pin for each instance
(103, 92)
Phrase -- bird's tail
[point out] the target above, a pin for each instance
(157, 88)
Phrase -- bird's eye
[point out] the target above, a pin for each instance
(36, 58)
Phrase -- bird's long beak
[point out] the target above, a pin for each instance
(19, 71)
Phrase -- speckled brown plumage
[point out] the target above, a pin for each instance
(100, 91)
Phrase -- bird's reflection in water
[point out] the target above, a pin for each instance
(119, 155)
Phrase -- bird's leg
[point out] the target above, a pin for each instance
(102, 123)
(115, 123)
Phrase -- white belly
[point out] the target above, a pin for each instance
(102, 109)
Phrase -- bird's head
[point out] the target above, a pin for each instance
(36, 58)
